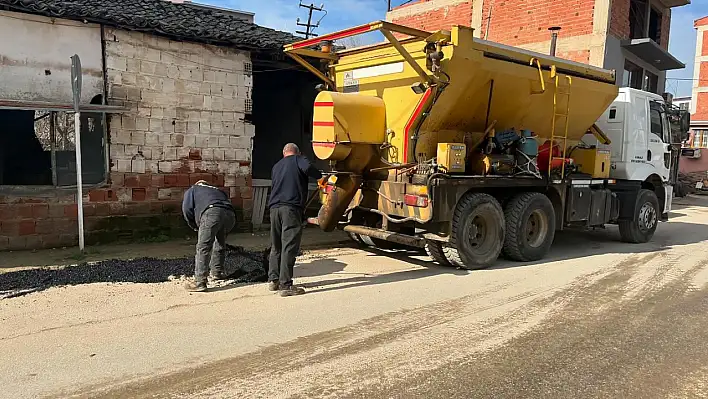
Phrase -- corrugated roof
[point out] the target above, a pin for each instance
(162, 18)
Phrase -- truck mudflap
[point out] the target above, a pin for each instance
(668, 197)
(668, 202)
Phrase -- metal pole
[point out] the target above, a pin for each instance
(79, 180)
(554, 39)
(76, 83)
(309, 22)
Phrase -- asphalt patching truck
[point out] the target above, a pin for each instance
(472, 149)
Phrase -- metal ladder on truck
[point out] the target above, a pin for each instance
(561, 99)
(561, 111)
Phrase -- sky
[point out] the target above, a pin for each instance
(283, 14)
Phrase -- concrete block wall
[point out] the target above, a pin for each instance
(185, 122)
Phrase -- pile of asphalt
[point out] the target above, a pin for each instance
(241, 266)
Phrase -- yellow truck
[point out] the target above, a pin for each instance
(472, 149)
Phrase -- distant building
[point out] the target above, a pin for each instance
(699, 103)
(683, 102)
(629, 36)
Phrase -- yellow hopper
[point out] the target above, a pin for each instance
(444, 87)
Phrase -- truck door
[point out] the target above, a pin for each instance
(659, 148)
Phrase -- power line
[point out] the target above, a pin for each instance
(688, 80)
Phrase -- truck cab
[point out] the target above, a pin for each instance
(637, 123)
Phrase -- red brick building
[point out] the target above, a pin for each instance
(630, 36)
(699, 118)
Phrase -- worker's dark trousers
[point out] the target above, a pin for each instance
(285, 235)
(214, 225)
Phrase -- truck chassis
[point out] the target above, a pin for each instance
(474, 219)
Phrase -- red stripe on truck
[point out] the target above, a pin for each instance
(323, 124)
(412, 121)
(333, 36)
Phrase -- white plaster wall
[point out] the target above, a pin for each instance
(35, 62)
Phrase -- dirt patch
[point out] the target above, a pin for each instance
(241, 266)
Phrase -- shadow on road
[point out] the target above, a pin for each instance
(571, 244)
(363, 280)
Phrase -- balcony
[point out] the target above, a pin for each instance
(675, 3)
(650, 52)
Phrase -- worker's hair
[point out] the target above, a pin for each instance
(291, 148)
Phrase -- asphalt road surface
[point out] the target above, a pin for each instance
(597, 319)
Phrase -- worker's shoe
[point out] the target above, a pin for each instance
(291, 291)
(273, 285)
(218, 276)
(194, 286)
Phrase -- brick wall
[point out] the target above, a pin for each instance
(700, 85)
(35, 219)
(518, 23)
(187, 104)
(619, 19)
(665, 28)
(619, 22)
(433, 15)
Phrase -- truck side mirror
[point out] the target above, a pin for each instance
(685, 123)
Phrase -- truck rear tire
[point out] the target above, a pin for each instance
(436, 251)
(530, 227)
(646, 217)
(477, 232)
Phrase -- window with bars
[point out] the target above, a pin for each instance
(37, 148)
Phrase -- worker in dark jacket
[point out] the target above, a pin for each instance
(287, 208)
(208, 210)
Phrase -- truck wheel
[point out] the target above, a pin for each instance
(646, 217)
(477, 232)
(530, 227)
(434, 249)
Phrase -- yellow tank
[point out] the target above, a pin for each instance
(453, 105)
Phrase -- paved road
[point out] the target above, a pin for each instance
(597, 319)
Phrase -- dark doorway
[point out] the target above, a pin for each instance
(283, 97)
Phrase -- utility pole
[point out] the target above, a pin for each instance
(309, 26)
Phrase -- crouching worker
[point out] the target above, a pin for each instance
(287, 203)
(209, 211)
